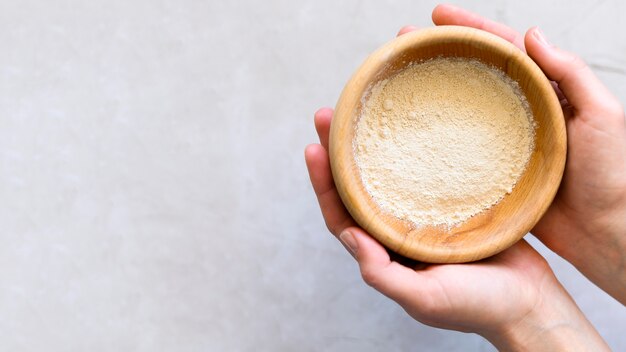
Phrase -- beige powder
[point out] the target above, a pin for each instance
(443, 140)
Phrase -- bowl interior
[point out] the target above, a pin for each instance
(494, 229)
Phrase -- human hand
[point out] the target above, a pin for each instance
(513, 299)
(586, 223)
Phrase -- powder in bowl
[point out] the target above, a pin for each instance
(443, 140)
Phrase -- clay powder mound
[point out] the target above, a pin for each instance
(443, 140)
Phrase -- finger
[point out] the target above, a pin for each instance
(322, 120)
(395, 281)
(335, 214)
(406, 29)
(451, 15)
(582, 88)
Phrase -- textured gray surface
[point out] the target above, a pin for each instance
(153, 194)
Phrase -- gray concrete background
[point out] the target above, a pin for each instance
(153, 193)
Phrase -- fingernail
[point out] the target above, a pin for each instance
(348, 240)
(538, 33)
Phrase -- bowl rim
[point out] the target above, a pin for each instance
(395, 235)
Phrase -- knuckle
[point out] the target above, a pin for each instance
(329, 227)
(371, 277)
(576, 62)
(333, 227)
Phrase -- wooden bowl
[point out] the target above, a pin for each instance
(492, 230)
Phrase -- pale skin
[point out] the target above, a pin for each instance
(514, 299)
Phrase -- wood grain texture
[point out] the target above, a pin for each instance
(494, 229)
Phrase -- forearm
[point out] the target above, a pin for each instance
(555, 324)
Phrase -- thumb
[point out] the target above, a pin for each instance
(378, 271)
(582, 88)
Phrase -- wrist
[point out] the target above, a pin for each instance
(554, 324)
(595, 245)
(600, 253)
